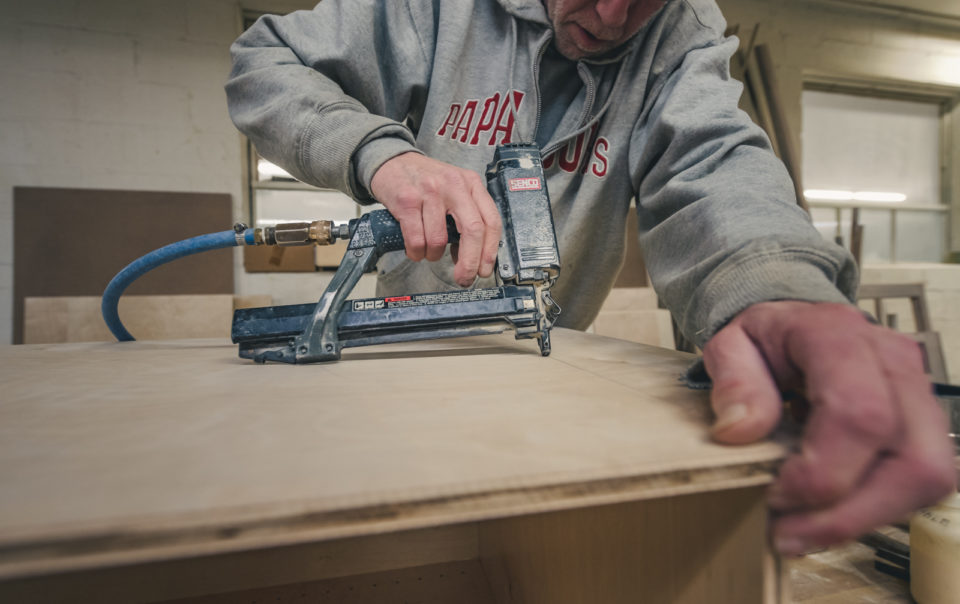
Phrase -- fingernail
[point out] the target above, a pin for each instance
(790, 546)
(730, 416)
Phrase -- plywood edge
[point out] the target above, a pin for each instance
(225, 530)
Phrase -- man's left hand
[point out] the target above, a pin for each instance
(875, 444)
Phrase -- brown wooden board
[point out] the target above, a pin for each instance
(117, 453)
(71, 242)
(692, 549)
(444, 583)
(305, 567)
(703, 548)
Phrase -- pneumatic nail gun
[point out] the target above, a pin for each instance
(528, 264)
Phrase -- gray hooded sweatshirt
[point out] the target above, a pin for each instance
(331, 94)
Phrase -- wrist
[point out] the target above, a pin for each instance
(371, 157)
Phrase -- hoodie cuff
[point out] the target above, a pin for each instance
(371, 155)
(785, 275)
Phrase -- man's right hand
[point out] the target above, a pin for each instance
(420, 192)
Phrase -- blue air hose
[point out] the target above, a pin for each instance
(133, 271)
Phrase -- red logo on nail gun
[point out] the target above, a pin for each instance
(524, 184)
(397, 299)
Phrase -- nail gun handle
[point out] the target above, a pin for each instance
(386, 233)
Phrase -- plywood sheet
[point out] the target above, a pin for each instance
(79, 319)
(121, 452)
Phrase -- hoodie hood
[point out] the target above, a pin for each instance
(530, 10)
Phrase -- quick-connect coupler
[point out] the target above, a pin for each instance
(318, 232)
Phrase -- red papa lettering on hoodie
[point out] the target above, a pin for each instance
(567, 163)
(597, 160)
(506, 110)
(451, 118)
(487, 116)
(498, 116)
(600, 164)
(466, 120)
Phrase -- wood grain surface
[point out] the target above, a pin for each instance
(120, 453)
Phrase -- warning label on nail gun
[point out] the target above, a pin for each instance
(452, 297)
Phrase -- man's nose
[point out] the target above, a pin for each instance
(613, 13)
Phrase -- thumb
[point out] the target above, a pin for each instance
(745, 396)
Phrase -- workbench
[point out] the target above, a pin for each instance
(470, 470)
(845, 574)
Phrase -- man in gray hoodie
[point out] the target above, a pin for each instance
(403, 102)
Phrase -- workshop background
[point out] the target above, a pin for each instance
(128, 96)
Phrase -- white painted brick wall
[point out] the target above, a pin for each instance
(119, 94)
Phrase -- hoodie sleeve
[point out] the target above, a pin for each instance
(330, 94)
(719, 225)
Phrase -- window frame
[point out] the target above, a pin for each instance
(948, 100)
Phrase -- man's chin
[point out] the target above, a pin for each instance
(568, 49)
(572, 51)
(580, 44)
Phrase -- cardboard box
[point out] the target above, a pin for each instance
(269, 259)
(329, 256)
